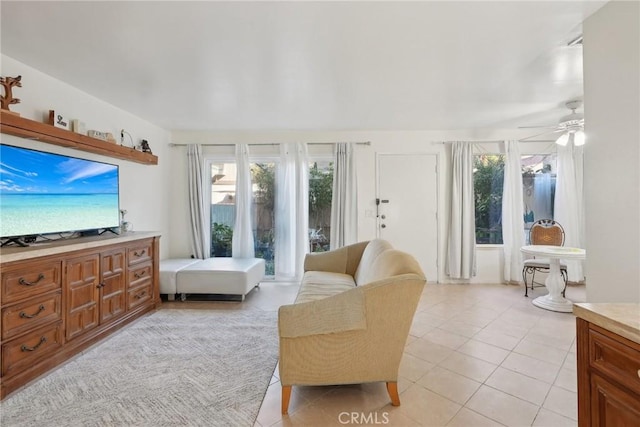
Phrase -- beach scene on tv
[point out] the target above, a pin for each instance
(44, 193)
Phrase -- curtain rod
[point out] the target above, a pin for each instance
(270, 144)
(495, 141)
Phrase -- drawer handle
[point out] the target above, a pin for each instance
(31, 316)
(27, 283)
(140, 295)
(638, 373)
(35, 347)
(139, 254)
(138, 275)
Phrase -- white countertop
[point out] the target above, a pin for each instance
(620, 318)
(35, 250)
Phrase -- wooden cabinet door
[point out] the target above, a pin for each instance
(82, 294)
(611, 405)
(112, 285)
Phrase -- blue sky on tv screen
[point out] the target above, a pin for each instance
(24, 171)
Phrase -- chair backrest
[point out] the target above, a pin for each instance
(546, 232)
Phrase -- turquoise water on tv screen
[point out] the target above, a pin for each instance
(27, 214)
(43, 193)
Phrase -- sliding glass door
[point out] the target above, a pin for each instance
(263, 214)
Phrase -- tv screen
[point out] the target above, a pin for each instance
(45, 193)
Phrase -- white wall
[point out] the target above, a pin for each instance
(612, 152)
(490, 263)
(143, 189)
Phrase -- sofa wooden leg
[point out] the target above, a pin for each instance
(286, 395)
(392, 388)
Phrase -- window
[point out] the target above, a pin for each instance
(223, 207)
(539, 185)
(263, 179)
(320, 193)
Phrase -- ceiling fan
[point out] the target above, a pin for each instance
(570, 127)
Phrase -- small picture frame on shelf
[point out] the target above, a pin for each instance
(78, 127)
(57, 119)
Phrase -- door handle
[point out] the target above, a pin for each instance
(383, 225)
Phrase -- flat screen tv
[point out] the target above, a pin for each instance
(44, 193)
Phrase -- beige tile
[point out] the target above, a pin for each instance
(562, 402)
(547, 418)
(531, 367)
(364, 398)
(473, 319)
(449, 384)
(445, 338)
(502, 407)
(571, 361)
(519, 385)
(391, 416)
(310, 415)
(427, 407)
(426, 350)
(567, 379)
(460, 328)
(413, 368)
(468, 418)
(501, 325)
(541, 352)
(270, 411)
(468, 366)
(560, 341)
(484, 351)
(498, 339)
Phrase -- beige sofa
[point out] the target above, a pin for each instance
(351, 318)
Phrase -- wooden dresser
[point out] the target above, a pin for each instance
(608, 346)
(58, 299)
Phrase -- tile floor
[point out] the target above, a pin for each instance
(477, 355)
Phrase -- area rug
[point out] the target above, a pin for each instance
(170, 368)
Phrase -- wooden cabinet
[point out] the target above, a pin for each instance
(55, 306)
(608, 377)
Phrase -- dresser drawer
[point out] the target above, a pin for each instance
(140, 275)
(30, 314)
(139, 253)
(139, 295)
(616, 360)
(23, 351)
(23, 282)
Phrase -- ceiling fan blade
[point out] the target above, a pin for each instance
(540, 134)
(537, 127)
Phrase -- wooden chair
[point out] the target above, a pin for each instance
(543, 232)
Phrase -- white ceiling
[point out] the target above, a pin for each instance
(311, 65)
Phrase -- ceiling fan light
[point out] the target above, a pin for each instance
(563, 139)
(579, 138)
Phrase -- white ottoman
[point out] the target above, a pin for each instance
(168, 274)
(226, 276)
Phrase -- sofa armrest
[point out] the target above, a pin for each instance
(344, 260)
(343, 312)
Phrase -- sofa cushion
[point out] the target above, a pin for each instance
(392, 263)
(369, 256)
(322, 284)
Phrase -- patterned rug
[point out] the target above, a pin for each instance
(171, 368)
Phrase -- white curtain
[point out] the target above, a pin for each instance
(569, 203)
(242, 245)
(512, 213)
(461, 256)
(344, 219)
(292, 211)
(200, 227)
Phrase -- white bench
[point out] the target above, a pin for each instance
(224, 276)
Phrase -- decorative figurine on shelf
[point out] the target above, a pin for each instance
(7, 99)
(124, 225)
(144, 145)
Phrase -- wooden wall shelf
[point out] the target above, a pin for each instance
(15, 125)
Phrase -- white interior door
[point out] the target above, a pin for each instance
(407, 195)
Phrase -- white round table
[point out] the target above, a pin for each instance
(554, 300)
